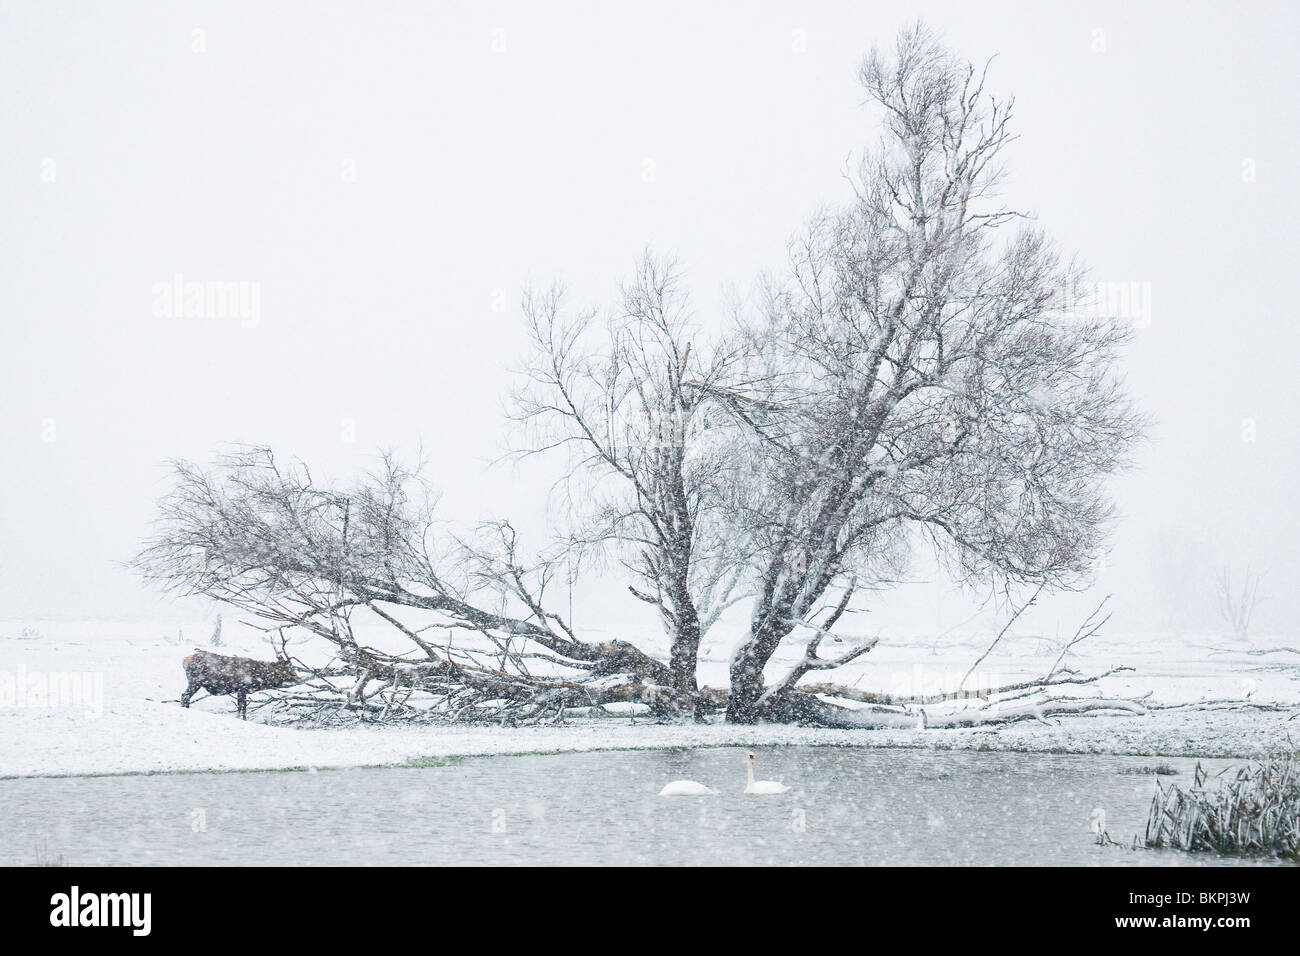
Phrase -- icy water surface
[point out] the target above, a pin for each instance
(847, 806)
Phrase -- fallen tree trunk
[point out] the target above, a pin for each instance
(871, 697)
(468, 633)
(809, 709)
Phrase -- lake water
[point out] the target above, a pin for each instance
(847, 806)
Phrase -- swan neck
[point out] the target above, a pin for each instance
(749, 771)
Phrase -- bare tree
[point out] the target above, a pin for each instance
(470, 633)
(1237, 605)
(917, 376)
(652, 461)
(926, 380)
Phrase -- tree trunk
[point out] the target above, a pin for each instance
(747, 675)
(684, 659)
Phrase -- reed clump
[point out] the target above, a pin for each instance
(1254, 809)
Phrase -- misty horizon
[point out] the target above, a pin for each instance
(358, 199)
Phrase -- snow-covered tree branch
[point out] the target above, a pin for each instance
(927, 380)
(652, 462)
(471, 627)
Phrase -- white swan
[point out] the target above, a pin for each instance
(685, 788)
(761, 786)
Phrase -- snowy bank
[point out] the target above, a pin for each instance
(109, 707)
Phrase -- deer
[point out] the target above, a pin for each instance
(218, 674)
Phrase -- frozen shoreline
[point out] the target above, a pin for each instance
(194, 741)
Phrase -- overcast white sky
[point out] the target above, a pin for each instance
(391, 174)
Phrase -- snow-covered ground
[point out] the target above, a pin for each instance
(101, 697)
